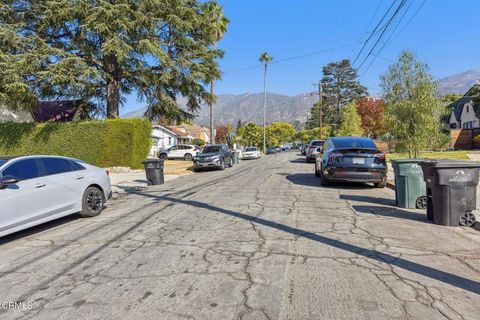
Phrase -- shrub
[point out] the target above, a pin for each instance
(107, 143)
(198, 142)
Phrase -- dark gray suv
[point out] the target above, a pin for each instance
(216, 156)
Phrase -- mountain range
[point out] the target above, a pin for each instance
(247, 107)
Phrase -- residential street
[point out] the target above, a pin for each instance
(261, 240)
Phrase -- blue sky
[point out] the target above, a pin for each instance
(304, 35)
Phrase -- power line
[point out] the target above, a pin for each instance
(388, 40)
(402, 3)
(373, 33)
(292, 58)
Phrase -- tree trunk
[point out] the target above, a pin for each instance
(113, 98)
(212, 129)
(113, 86)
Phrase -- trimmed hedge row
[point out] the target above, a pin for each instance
(104, 143)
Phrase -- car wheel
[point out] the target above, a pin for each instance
(382, 184)
(231, 163)
(93, 202)
(163, 156)
(188, 157)
(222, 164)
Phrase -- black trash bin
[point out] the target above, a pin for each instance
(451, 191)
(154, 171)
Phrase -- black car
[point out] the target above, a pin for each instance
(216, 156)
(271, 150)
(351, 159)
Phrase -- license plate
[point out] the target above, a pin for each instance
(358, 160)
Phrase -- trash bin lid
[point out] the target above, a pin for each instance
(152, 161)
(449, 163)
(408, 160)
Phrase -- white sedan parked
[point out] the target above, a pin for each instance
(37, 189)
(251, 153)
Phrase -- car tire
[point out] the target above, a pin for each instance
(163, 156)
(380, 185)
(222, 164)
(230, 165)
(188, 157)
(93, 202)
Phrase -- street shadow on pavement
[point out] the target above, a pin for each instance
(309, 179)
(39, 228)
(392, 212)
(375, 200)
(299, 160)
(442, 276)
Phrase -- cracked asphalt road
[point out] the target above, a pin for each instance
(262, 240)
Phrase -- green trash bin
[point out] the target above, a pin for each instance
(410, 191)
(236, 157)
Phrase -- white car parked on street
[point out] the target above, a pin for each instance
(251, 153)
(179, 151)
(37, 189)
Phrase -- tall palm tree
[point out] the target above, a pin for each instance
(265, 58)
(218, 23)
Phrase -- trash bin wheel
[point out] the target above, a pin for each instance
(421, 203)
(467, 219)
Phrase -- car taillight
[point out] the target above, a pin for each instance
(107, 172)
(382, 157)
(335, 155)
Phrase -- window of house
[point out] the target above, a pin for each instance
(468, 109)
(169, 140)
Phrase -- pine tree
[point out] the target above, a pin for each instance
(100, 51)
(340, 86)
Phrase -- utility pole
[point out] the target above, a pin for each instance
(320, 109)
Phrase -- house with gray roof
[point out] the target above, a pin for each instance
(465, 112)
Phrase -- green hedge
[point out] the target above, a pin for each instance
(107, 143)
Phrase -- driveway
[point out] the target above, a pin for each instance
(261, 240)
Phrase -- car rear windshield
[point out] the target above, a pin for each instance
(251, 149)
(211, 149)
(348, 143)
(317, 143)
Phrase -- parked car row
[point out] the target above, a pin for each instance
(348, 159)
(37, 189)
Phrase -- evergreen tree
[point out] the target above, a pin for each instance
(101, 51)
(340, 86)
(351, 122)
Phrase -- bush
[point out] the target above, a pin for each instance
(198, 142)
(108, 143)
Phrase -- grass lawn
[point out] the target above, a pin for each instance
(178, 167)
(457, 155)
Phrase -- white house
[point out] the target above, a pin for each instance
(465, 112)
(162, 138)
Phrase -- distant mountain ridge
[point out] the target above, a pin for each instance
(458, 83)
(248, 107)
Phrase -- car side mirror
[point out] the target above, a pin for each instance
(8, 180)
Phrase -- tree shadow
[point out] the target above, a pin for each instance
(414, 267)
